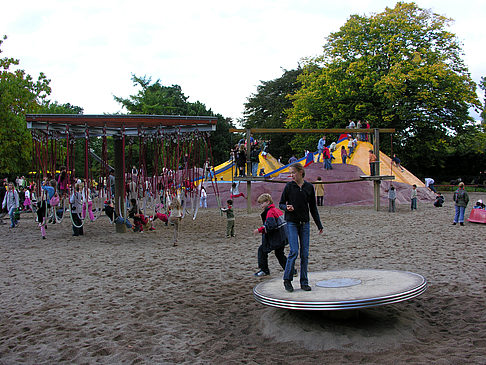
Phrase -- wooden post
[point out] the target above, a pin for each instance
(376, 183)
(248, 171)
(119, 188)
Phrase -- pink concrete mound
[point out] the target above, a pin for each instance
(347, 189)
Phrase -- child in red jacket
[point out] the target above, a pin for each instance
(274, 235)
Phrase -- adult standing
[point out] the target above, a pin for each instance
(461, 198)
(11, 203)
(297, 200)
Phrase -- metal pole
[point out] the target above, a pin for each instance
(119, 188)
(377, 183)
(248, 171)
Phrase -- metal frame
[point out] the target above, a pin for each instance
(320, 305)
(118, 125)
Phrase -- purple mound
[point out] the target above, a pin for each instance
(335, 194)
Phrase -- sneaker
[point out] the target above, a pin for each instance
(305, 287)
(461, 223)
(454, 223)
(43, 237)
(261, 273)
(288, 286)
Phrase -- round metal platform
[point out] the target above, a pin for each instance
(343, 289)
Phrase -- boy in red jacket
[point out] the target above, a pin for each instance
(274, 235)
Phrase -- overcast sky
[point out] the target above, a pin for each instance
(217, 51)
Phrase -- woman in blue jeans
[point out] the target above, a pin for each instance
(298, 199)
(11, 203)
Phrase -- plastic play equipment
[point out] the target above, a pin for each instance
(477, 216)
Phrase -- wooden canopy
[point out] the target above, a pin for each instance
(116, 125)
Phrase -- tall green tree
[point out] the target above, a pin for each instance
(19, 94)
(266, 109)
(400, 68)
(157, 99)
(482, 85)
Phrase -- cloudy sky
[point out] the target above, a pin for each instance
(218, 51)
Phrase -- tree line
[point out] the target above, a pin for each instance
(400, 68)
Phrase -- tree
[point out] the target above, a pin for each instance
(401, 69)
(482, 85)
(266, 109)
(19, 94)
(157, 99)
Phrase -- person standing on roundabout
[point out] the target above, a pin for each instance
(297, 200)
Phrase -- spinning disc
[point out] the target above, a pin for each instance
(343, 289)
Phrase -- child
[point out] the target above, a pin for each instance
(115, 218)
(204, 196)
(235, 191)
(344, 155)
(392, 195)
(27, 201)
(41, 215)
(230, 219)
(76, 201)
(479, 205)
(439, 200)
(319, 188)
(138, 219)
(274, 235)
(413, 197)
(175, 218)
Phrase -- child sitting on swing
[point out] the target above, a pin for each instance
(139, 220)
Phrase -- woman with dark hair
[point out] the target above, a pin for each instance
(297, 200)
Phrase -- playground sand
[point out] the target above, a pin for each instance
(133, 298)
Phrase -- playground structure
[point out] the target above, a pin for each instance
(344, 290)
(477, 215)
(174, 140)
(377, 178)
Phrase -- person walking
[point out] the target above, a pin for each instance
(297, 201)
(11, 203)
(461, 198)
(274, 235)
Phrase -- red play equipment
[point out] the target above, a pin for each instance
(477, 216)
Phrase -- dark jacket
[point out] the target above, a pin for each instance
(273, 229)
(304, 201)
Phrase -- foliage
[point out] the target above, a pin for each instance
(157, 99)
(19, 94)
(266, 109)
(482, 85)
(401, 69)
(53, 107)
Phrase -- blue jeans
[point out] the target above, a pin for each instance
(414, 204)
(298, 232)
(459, 217)
(120, 220)
(327, 164)
(254, 168)
(13, 221)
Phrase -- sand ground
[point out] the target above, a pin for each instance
(133, 298)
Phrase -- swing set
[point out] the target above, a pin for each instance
(172, 151)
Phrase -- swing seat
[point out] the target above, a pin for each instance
(477, 216)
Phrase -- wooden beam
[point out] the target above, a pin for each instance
(325, 130)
